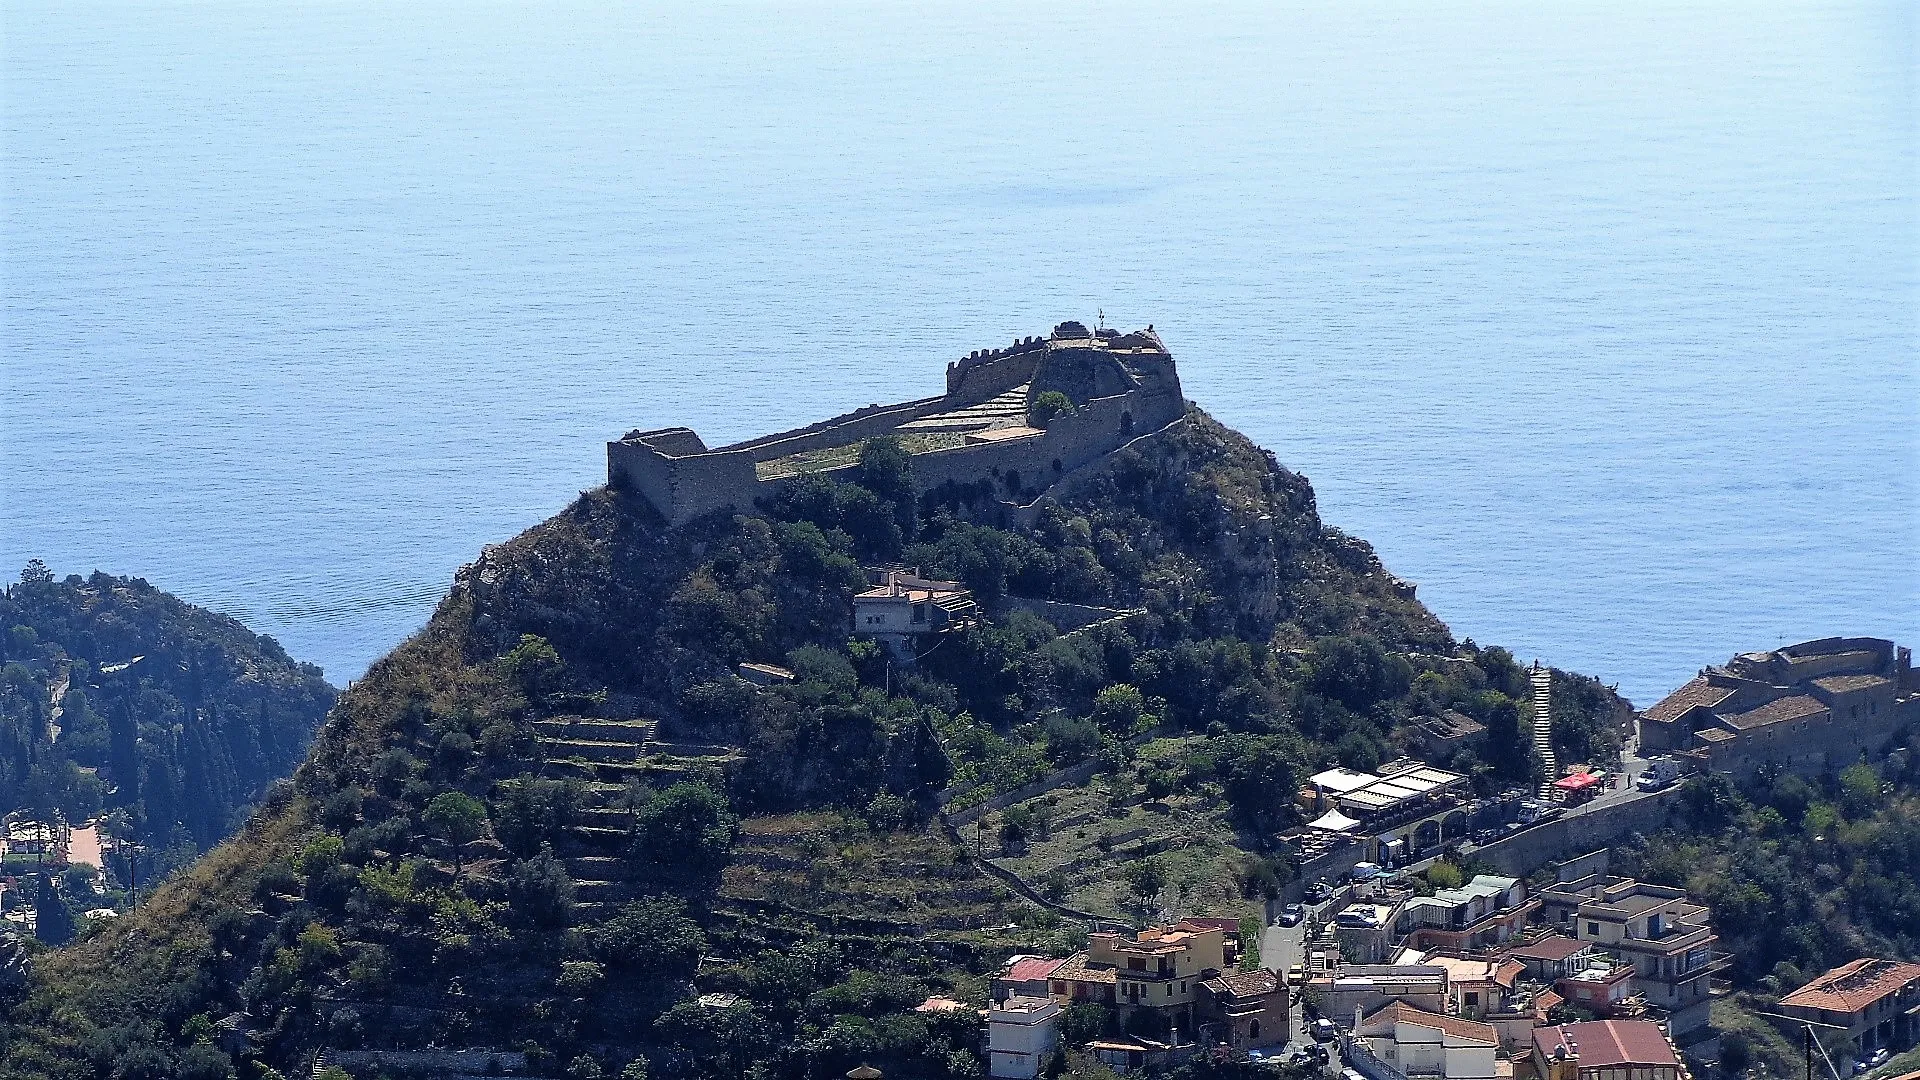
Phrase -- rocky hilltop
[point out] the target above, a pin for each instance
(564, 824)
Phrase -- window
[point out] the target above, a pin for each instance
(1473, 997)
(1593, 929)
(1135, 963)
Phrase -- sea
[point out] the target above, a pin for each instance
(1599, 320)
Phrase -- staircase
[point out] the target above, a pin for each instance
(607, 757)
(1543, 729)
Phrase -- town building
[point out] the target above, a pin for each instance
(1158, 970)
(1405, 810)
(1604, 985)
(1666, 938)
(1605, 1050)
(1244, 1009)
(1366, 987)
(1418, 1043)
(1028, 976)
(1484, 912)
(1813, 707)
(1022, 1032)
(1551, 957)
(1877, 1002)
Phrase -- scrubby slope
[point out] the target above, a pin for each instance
(523, 828)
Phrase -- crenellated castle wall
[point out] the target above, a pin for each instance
(674, 471)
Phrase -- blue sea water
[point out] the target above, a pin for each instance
(1598, 320)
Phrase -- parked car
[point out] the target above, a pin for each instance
(1292, 915)
(1357, 919)
(1872, 1061)
(1322, 1030)
(1319, 892)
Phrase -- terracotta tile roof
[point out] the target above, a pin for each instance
(1853, 986)
(1399, 1012)
(1779, 710)
(1231, 926)
(1552, 947)
(1841, 684)
(1032, 967)
(1244, 983)
(1697, 692)
(1075, 967)
(1608, 1042)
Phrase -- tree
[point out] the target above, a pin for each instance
(688, 825)
(1859, 790)
(541, 889)
(36, 573)
(535, 666)
(1146, 878)
(654, 934)
(1118, 709)
(458, 818)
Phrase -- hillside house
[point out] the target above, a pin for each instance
(1665, 937)
(1158, 970)
(1876, 1001)
(1021, 1032)
(1026, 976)
(1486, 911)
(903, 606)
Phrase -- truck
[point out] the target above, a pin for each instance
(1660, 774)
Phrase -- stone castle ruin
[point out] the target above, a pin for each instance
(982, 432)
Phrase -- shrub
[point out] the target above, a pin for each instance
(1046, 405)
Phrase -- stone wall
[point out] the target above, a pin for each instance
(431, 1062)
(862, 423)
(1565, 837)
(991, 372)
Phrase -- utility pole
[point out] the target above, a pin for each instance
(1807, 1045)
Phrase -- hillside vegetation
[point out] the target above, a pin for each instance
(554, 818)
(120, 700)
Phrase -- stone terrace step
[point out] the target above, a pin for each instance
(625, 731)
(596, 750)
(690, 750)
(597, 867)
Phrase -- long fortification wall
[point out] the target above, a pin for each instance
(1021, 467)
(861, 423)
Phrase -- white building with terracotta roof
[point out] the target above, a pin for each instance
(1419, 1043)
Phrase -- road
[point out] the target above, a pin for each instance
(1281, 947)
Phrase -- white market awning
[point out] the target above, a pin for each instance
(1334, 821)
